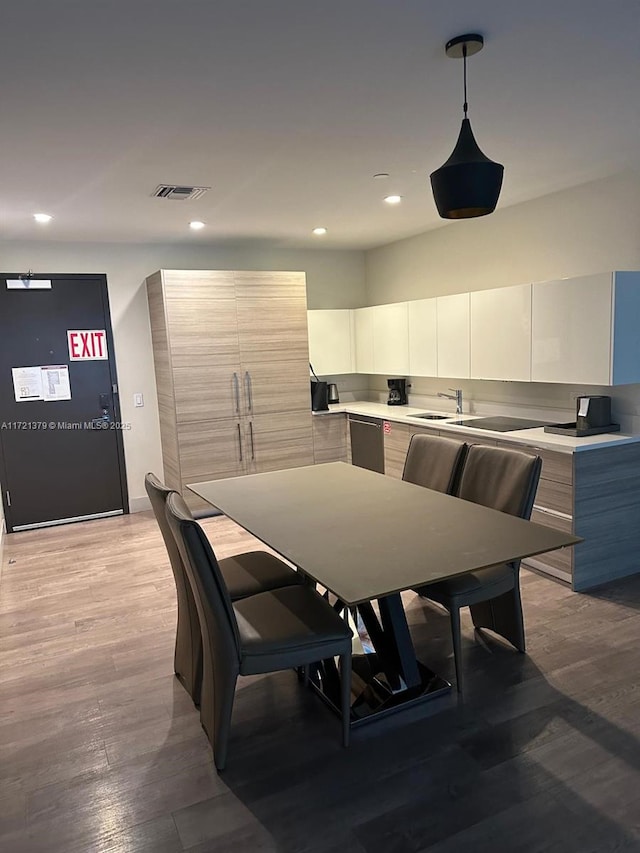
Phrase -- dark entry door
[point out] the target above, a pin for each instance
(61, 459)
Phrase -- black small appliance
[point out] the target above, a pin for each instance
(593, 417)
(319, 394)
(593, 412)
(319, 401)
(397, 392)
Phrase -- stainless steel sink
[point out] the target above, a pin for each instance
(430, 416)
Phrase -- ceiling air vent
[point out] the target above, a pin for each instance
(179, 193)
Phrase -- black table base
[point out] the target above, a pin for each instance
(373, 696)
(385, 679)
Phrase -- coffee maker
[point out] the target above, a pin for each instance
(593, 416)
(593, 412)
(397, 392)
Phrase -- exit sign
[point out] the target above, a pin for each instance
(87, 345)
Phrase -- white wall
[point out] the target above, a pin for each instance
(335, 279)
(587, 229)
(591, 228)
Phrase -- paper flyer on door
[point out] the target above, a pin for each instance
(55, 383)
(44, 382)
(27, 383)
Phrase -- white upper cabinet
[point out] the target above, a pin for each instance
(584, 330)
(391, 339)
(453, 335)
(423, 340)
(579, 330)
(363, 327)
(331, 341)
(572, 330)
(501, 333)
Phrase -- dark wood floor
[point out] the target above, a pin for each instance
(102, 751)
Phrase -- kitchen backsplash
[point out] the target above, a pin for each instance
(524, 399)
(352, 386)
(485, 397)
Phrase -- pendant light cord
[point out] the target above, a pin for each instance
(464, 59)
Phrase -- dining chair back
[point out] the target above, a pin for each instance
(434, 462)
(244, 574)
(505, 480)
(500, 478)
(283, 628)
(187, 658)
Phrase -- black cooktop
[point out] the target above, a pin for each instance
(501, 424)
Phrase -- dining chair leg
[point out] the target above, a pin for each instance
(345, 690)
(207, 704)
(456, 636)
(520, 643)
(224, 693)
(198, 657)
(503, 615)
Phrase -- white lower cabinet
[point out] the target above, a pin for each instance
(501, 333)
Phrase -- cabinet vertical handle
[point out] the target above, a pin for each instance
(240, 442)
(247, 379)
(236, 388)
(253, 452)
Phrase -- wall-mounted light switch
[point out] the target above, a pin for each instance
(138, 399)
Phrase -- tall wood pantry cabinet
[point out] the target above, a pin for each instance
(232, 372)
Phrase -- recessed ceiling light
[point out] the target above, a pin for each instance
(319, 231)
(196, 225)
(42, 217)
(393, 199)
(381, 175)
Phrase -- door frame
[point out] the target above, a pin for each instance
(115, 390)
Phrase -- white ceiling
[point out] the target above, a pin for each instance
(287, 108)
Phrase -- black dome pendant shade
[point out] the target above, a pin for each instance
(469, 183)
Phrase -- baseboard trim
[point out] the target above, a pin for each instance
(141, 504)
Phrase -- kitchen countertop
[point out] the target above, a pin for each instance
(536, 436)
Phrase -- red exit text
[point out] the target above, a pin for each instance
(87, 345)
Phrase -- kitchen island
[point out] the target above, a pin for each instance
(589, 486)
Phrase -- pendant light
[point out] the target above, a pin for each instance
(468, 184)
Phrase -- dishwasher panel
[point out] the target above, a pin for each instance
(367, 442)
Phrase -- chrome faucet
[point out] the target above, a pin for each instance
(457, 396)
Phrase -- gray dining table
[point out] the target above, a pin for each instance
(367, 537)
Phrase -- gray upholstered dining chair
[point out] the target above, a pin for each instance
(285, 628)
(244, 574)
(505, 480)
(434, 462)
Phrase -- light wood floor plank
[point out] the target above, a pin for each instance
(101, 750)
